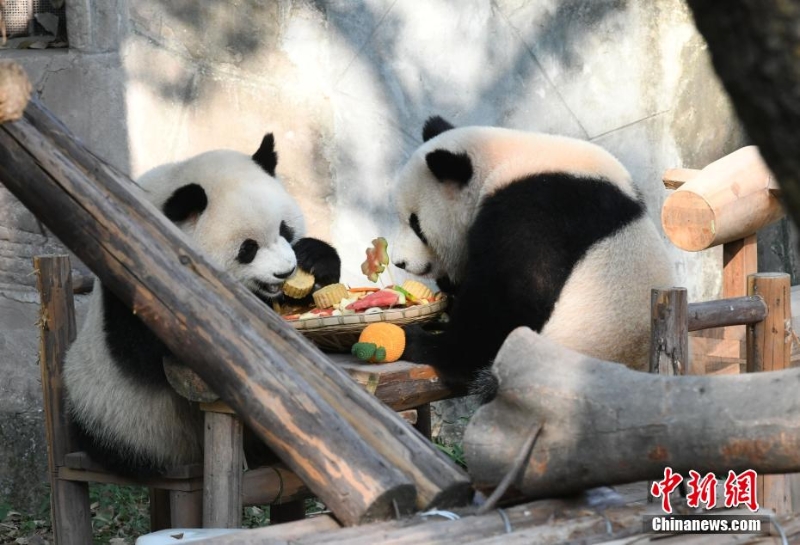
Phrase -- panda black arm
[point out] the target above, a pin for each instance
(318, 258)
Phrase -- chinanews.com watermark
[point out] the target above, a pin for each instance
(739, 490)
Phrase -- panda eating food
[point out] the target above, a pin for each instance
(526, 229)
(237, 213)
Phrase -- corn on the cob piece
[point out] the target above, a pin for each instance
(299, 284)
(417, 289)
(329, 295)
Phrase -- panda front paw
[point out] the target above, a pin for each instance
(421, 345)
(318, 258)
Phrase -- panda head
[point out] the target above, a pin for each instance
(440, 190)
(236, 212)
(435, 202)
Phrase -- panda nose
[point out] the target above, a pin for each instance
(401, 264)
(285, 275)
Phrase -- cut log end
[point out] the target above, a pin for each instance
(15, 91)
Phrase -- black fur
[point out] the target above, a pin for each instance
(287, 232)
(449, 166)
(136, 350)
(318, 258)
(522, 248)
(413, 221)
(247, 251)
(434, 126)
(266, 157)
(189, 200)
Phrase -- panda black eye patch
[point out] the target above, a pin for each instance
(287, 232)
(413, 221)
(247, 251)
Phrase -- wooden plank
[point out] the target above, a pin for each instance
(186, 508)
(669, 339)
(69, 501)
(287, 391)
(223, 459)
(88, 476)
(769, 349)
(81, 460)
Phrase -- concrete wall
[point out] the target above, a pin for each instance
(345, 86)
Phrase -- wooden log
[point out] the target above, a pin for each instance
(769, 348)
(728, 200)
(551, 521)
(273, 484)
(69, 500)
(286, 390)
(669, 334)
(675, 177)
(726, 312)
(605, 424)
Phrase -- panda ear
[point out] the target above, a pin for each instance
(185, 202)
(266, 157)
(434, 126)
(449, 166)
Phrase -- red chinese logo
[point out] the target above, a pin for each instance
(701, 490)
(741, 489)
(665, 487)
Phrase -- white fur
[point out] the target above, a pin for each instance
(498, 157)
(604, 306)
(243, 202)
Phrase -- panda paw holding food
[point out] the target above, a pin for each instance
(526, 229)
(236, 211)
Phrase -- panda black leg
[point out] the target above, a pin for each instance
(318, 258)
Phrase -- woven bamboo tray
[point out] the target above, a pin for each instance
(339, 333)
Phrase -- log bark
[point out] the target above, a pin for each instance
(605, 424)
(341, 441)
(755, 49)
(727, 200)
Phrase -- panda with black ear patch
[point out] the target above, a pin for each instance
(526, 229)
(238, 214)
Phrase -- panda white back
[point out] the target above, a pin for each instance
(532, 229)
(239, 215)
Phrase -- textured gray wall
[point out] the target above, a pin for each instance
(345, 85)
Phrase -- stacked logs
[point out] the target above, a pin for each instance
(357, 455)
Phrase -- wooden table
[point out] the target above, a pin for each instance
(405, 387)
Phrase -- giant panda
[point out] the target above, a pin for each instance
(525, 229)
(235, 210)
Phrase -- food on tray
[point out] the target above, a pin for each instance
(380, 343)
(330, 295)
(382, 298)
(377, 259)
(418, 290)
(299, 284)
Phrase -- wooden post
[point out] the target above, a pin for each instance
(669, 337)
(186, 510)
(284, 388)
(223, 459)
(69, 500)
(769, 347)
(160, 516)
